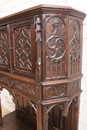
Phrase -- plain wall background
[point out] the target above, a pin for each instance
(12, 6)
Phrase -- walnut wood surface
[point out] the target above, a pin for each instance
(40, 65)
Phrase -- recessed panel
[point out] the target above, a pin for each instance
(4, 49)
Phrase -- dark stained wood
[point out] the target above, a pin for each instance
(40, 66)
(0, 110)
(12, 122)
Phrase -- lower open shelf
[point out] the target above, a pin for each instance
(12, 122)
(16, 121)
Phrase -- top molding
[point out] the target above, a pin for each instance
(40, 9)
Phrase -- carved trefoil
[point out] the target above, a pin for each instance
(55, 29)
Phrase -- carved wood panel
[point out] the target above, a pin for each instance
(61, 90)
(24, 47)
(13, 84)
(55, 29)
(4, 49)
(74, 47)
(55, 91)
(73, 87)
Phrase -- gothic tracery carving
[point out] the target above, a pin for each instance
(4, 48)
(73, 86)
(21, 86)
(55, 47)
(63, 106)
(55, 91)
(23, 48)
(74, 47)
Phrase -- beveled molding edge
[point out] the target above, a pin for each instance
(17, 77)
(61, 81)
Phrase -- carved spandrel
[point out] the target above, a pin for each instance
(23, 59)
(74, 56)
(25, 105)
(76, 99)
(4, 48)
(55, 47)
(64, 107)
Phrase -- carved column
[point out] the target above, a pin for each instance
(45, 118)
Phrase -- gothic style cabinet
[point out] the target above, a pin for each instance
(40, 65)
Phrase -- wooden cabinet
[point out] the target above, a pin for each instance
(40, 64)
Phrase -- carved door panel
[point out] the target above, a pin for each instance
(55, 46)
(4, 49)
(75, 46)
(24, 49)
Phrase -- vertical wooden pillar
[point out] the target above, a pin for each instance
(42, 118)
(45, 118)
(0, 110)
(39, 117)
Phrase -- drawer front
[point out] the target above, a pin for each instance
(54, 91)
(74, 87)
(18, 87)
(4, 49)
(24, 50)
(68, 89)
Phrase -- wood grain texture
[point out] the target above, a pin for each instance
(40, 65)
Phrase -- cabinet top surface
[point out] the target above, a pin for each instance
(40, 9)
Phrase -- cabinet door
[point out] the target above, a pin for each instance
(24, 48)
(4, 49)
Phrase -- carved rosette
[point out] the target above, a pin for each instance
(55, 46)
(18, 85)
(74, 56)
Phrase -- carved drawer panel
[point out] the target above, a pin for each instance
(62, 90)
(4, 49)
(55, 91)
(74, 87)
(19, 86)
(55, 38)
(23, 37)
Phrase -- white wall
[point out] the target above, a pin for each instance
(11, 6)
